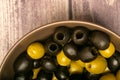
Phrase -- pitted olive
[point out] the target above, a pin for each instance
(70, 50)
(43, 75)
(117, 55)
(113, 64)
(23, 64)
(62, 35)
(80, 35)
(109, 51)
(99, 39)
(36, 50)
(108, 76)
(87, 54)
(76, 77)
(89, 76)
(118, 75)
(96, 66)
(76, 67)
(51, 47)
(48, 64)
(35, 73)
(62, 59)
(62, 73)
(27, 76)
(36, 63)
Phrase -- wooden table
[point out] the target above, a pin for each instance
(18, 17)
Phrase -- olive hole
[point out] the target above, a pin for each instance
(60, 36)
(53, 47)
(79, 35)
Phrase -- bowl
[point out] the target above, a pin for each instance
(6, 68)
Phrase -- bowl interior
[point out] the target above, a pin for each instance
(6, 69)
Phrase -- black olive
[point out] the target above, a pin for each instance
(70, 50)
(113, 64)
(23, 64)
(88, 54)
(117, 56)
(51, 47)
(43, 75)
(99, 39)
(20, 77)
(48, 64)
(62, 35)
(89, 76)
(80, 35)
(36, 64)
(27, 76)
(76, 77)
(62, 73)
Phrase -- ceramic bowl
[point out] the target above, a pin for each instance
(6, 68)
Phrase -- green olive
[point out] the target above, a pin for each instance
(96, 66)
(35, 73)
(76, 67)
(109, 51)
(62, 59)
(79, 62)
(118, 75)
(36, 50)
(54, 77)
(108, 76)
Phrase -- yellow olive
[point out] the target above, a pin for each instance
(107, 69)
(82, 64)
(35, 73)
(76, 67)
(36, 50)
(62, 59)
(108, 76)
(96, 66)
(109, 51)
(118, 75)
(54, 77)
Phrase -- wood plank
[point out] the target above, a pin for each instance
(81, 10)
(107, 14)
(102, 12)
(18, 17)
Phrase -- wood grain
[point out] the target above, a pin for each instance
(18, 17)
(102, 12)
(81, 10)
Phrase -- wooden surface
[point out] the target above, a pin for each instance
(18, 17)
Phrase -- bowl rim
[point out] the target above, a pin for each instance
(50, 24)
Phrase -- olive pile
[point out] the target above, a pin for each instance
(70, 54)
